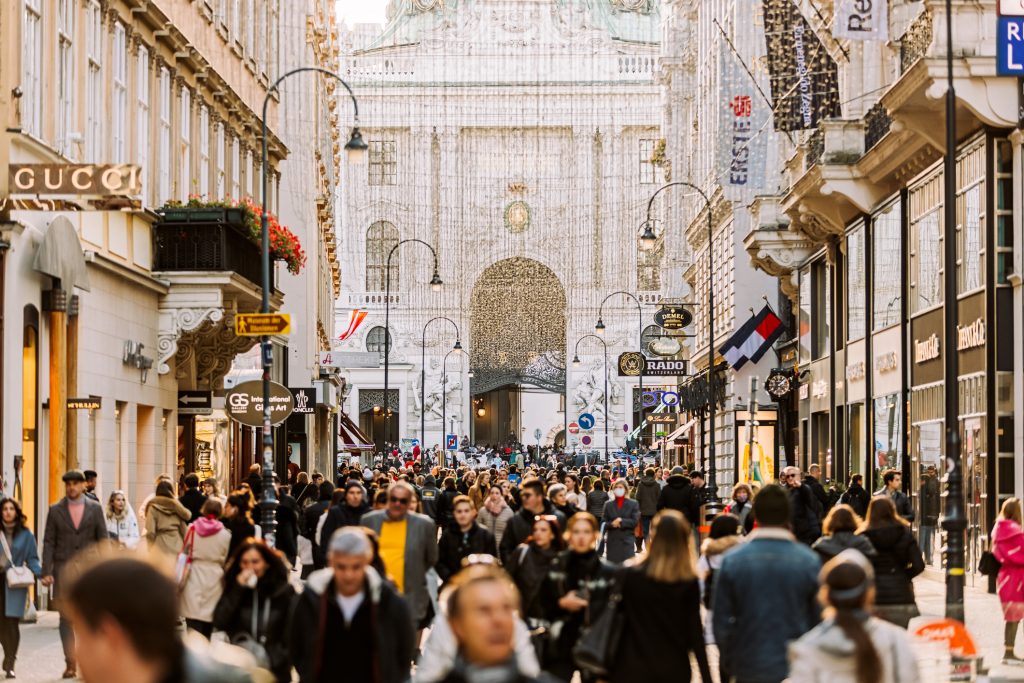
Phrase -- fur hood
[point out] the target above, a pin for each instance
(717, 546)
(318, 581)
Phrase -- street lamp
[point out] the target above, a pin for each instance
(444, 402)
(576, 364)
(435, 285)
(356, 151)
(423, 378)
(713, 501)
(648, 239)
(599, 328)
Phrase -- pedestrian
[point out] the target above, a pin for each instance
(193, 498)
(237, 519)
(558, 497)
(596, 499)
(495, 514)
(804, 507)
(478, 491)
(349, 606)
(443, 516)
(722, 537)
(576, 593)
(897, 561)
(90, 485)
(528, 565)
(166, 520)
(740, 506)
(462, 538)
(813, 482)
(520, 527)
(856, 497)
(647, 494)
(75, 526)
(311, 520)
(678, 494)
(204, 583)
(122, 525)
(299, 488)
(287, 517)
(892, 488)
(211, 489)
(849, 645)
(574, 494)
(145, 501)
(255, 479)
(752, 633)
(348, 512)
(408, 546)
(1008, 548)
(253, 610)
(621, 515)
(839, 533)
(19, 551)
(931, 500)
(137, 640)
(660, 606)
(430, 495)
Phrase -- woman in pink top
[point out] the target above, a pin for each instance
(1008, 547)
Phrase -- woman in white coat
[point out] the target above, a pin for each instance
(849, 645)
(209, 542)
(122, 524)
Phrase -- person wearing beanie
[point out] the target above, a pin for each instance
(753, 633)
(348, 512)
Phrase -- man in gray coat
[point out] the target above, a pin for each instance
(74, 525)
(621, 515)
(408, 547)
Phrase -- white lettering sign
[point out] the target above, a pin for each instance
(855, 371)
(819, 389)
(971, 335)
(887, 362)
(926, 350)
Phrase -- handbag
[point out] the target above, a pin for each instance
(988, 565)
(595, 651)
(17, 577)
(184, 563)
(254, 643)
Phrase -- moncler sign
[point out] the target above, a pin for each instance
(970, 336)
(927, 349)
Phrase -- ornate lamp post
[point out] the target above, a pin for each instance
(599, 328)
(356, 148)
(444, 400)
(423, 378)
(576, 364)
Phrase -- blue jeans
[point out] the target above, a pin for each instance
(927, 542)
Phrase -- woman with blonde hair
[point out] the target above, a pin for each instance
(897, 561)
(122, 524)
(1008, 548)
(661, 609)
(478, 491)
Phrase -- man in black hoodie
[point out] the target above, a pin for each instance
(647, 494)
(193, 498)
(855, 496)
(430, 497)
(443, 511)
(347, 512)
(678, 494)
(519, 528)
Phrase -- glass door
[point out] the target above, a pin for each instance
(975, 463)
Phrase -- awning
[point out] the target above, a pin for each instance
(352, 439)
(670, 440)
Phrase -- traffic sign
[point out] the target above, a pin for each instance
(537, 434)
(244, 403)
(1010, 46)
(574, 428)
(625, 428)
(305, 400)
(587, 421)
(195, 402)
(587, 440)
(262, 324)
(451, 442)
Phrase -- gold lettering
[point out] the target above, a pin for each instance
(48, 182)
(111, 179)
(76, 176)
(24, 179)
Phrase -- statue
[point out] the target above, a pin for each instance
(588, 395)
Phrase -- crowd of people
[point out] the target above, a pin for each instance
(398, 570)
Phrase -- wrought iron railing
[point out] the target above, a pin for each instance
(194, 240)
(815, 147)
(916, 41)
(876, 125)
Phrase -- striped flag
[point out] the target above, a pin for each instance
(753, 339)
(355, 319)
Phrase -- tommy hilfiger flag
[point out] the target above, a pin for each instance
(751, 341)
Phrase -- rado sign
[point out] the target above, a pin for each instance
(633, 364)
(79, 179)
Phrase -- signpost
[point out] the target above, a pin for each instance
(195, 402)
(587, 421)
(586, 440)
(244, 403)
(262, 324)
(451, 442)
(574, 428)
(673, 317)
(305, 400)
(635, 364)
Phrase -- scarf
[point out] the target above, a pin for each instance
(495, 506)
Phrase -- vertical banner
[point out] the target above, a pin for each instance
(861, 20)
(804, 77)
(742, 149)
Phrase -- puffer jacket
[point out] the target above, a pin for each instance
(897, 561)
(679, 494)
(495, 523)
(828, 547)
(595, 503)
(826, 653)
(647, 494)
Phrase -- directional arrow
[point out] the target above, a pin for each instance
(186, 400)
(262, 324)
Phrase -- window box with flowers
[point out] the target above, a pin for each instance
(203, 235)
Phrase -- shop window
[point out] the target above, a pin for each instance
(1004, 210)
(804, 315)
(888, 436)
(381, 238)
(926, 242)
(25, 483)
(970, 216)
(822, 306)
(885, 268)
(856, 281)
(855, 439)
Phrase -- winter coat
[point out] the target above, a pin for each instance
(520, 527)
(930, 501)
(124, 531)
(741, 510)
(825, 654)
(1008, 547)
(828, 547)
(595, 503)
(310, 520)
(440, 652)
(712, 551)
(528, 566)
(857, 498)
(430, 495)
(234, 615)
(455, 546)
(193, 500)
(23, 553)
(65, 545)
(904, 508)
(620, 541)
(339, 517)
(679, 495)
(495, 523)
(478, 494)
(647, 494)
(589, 576)
(897, 562)
(660, 628)
(804, 514)
(240, 529)
(819, 494)
(443, 515)
(166, 523)
(317, 651)
(205, 582)
(287, 517)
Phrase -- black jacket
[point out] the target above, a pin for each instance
(311, 517)
(897, 562)
(595, 503)
(828, 547)
(382, 652)
(341, 516)
(443, 510)
(234, 615)
(454, 546)
(930, 500)
(679, 494)
(520, 527)
(528, 566)
(819, 494)
(193, 500)
(904, 508)
(590, 577)
(857, 498)
(803, 514)
(241, 528)
(648, 492)
(430, 497)
(255, 482)
(287, 517)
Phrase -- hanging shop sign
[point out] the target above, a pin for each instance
(305, 400)
(673, 317)
(665, 346)
(244, 403)
(661, 418)
(105, 180)
(634, 364)
(861, 20)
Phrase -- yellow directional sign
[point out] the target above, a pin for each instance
(260, 324)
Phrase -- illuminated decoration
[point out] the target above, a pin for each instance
(517, 216)
(373, 399)
(804, 77)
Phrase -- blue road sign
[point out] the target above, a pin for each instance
(586, 421)
(451, 442)
(1010, 46)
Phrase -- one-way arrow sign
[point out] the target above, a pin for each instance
(195, 402)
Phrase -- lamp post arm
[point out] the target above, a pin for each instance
(423, 379)
(683, 183)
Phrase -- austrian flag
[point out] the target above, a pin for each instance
(751, 341)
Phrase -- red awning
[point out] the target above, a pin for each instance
(352, 439)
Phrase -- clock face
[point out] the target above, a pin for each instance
(778, 385)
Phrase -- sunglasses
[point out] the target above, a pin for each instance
(400, 501)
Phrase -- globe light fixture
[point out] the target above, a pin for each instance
(648, 239)
(599, 327)
(356, 148)
(435, 282)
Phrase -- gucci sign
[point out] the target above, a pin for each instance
(104, 180)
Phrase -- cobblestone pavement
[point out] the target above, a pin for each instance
(41, 660)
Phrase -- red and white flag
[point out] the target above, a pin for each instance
(355, 319)
(753, 339)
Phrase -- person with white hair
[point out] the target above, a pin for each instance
(347, 606)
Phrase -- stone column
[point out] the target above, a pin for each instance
(55, 303)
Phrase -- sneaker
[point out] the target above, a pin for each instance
(1012, 660)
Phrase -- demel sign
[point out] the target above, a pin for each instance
(244, 403)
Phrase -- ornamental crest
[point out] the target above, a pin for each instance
(517, 216)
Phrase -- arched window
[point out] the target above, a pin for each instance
(381, 237)
(375, 341)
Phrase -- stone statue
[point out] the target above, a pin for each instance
(588, 395)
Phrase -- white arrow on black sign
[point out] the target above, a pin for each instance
(186, 400)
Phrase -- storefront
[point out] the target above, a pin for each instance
(856, 417)
(887, 405)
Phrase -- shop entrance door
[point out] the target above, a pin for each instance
(975, 464)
